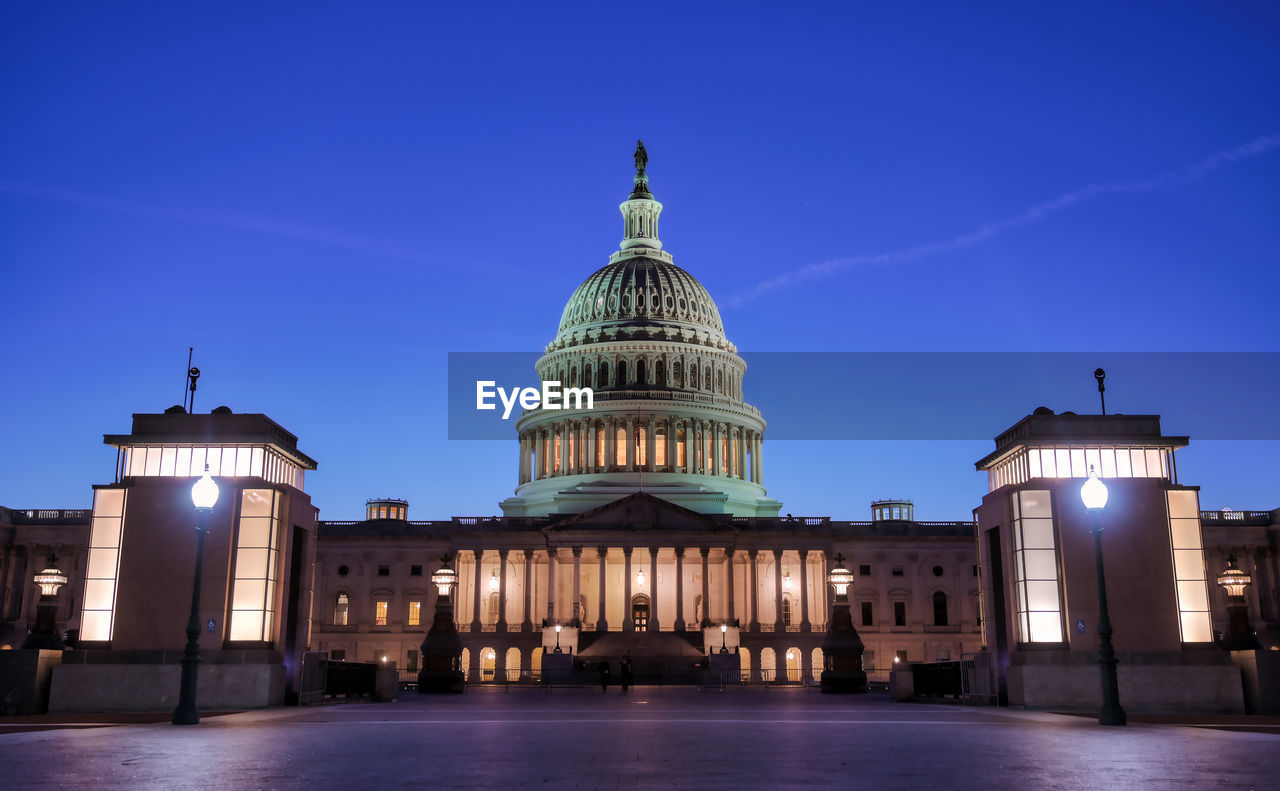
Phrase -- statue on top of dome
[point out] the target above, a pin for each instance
(642, 158)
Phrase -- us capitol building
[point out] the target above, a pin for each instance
(639, 527)
(642, 525)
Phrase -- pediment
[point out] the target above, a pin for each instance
(640, 511)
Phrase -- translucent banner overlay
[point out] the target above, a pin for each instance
(941, 395)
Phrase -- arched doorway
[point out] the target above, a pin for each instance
(744, 663)
(513, 663)
(535, 661)
(768, 664)
(793, 664)
(488, 661)
(466, 663)
(640, 612)
(817, 667)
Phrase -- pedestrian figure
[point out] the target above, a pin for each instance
(604, 676)
(625, 674)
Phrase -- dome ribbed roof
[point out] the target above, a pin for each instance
(640, 291)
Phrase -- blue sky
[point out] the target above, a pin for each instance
(326, 199)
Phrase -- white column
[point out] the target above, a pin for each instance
(680, 625)
(804, 591)
(778, 625)
(577, 582)
(627, 624)
(653, 589)
(755, 590)
(602, 623)
(527, 624)
(475, 607)
(502, 590)
(706, 588)
(728, 554)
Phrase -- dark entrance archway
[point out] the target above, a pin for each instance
(640, 612)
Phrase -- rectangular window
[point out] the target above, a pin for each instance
(864, 571)
(899, 613)
(415, 613)
(97, 617)
(338, 655)
(415, 571)
(1035, 568)
(411, 662)
(901, 655)
(253, 592)
(897, 571)
(866, 613)
(380, 613)
(384, 570)
(1190, 584)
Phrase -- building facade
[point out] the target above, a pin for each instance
(640, 526)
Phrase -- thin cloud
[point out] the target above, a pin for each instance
(233, 222)
(1031, 215)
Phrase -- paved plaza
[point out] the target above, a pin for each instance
(654, 737)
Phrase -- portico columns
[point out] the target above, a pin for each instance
(755, 591)
(475, 606)
(729, 584)
(602, 624)
(706, 588)
(778, 625)
(628, 625)
(653, 589)
(680, 625)
(577, 582)
(631, 443)
(715, 448)
(805, 626)
(551, 584)
(527, 624)
(651, 445)
(502, 590)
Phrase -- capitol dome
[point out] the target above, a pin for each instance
(668, 415)
(641, 291)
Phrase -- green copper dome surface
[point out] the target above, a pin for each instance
(639, 290)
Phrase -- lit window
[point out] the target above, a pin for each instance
(341, 610)
(96, 619)
(1035, 561)
(415, 613)
(620, 447)
(257, 550)
(1188, 567)
(380, 613)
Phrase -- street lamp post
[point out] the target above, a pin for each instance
(442, 647)
(45, 634)
(204, 495)
(724, 630)
(842, 647)
(1094, 496)
(558, 628)
(1240, 635)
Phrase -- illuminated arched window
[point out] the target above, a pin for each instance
(555, 454)
(724, 455)
(680, 461)
(660, 447)
(786, 608)
(341, 610)
(642, 446)
(600, 460)
(493, 608)
(620, 447)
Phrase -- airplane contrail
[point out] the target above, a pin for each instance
(1032, 214)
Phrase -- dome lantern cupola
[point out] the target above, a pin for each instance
(640, 211)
